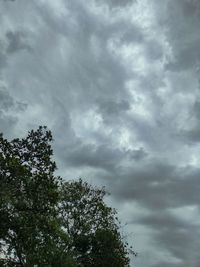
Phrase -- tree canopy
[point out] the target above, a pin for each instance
(48, 222)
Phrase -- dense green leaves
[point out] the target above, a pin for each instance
(47, 222)
(29, 198)
(91, 226)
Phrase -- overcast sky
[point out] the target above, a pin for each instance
(117, 82)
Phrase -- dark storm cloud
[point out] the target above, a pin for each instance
(183, 64)
(3, 57)
(117, 83)
(183, 38)
(103, 156)
(113, 108)
(163, 189)
(6, 101)
(160, 186)
(116, 3)
(89, 66)
(172, 232)
(16, 41)
(79, 153)
(9, 109)
(112, 111)
(193, 133)
(2, 60)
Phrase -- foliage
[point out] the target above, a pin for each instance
(47, 222)
(92, 226)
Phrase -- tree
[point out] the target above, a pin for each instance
(30, 228)
(92, 226)
(47, 222)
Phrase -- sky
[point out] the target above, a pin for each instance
(117, 83)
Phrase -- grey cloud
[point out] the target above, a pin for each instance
(132, 34)
(6, 101)
(16, 41)
(172, 233)
(183, 38)
(11, 42)
(138, 154)
(117, 3)
(111, 110)
(111, 107)
(154, 50)
(159, 186)
(196, 109)
(83, 70)
(170, 264)
(69, 77)
(163, 221)
(7, 124)
(188, 56)
(9, 111)
(3, 57)
(173, 240)
(101, 156)
(145, 184)
(190, 7)
(162, 189)
(192, 134)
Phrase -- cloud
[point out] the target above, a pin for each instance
(10, 109)
(182, 38)
(159, 185)
(15, 41)
(118, 84)
(172, 232)
(116, 3)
